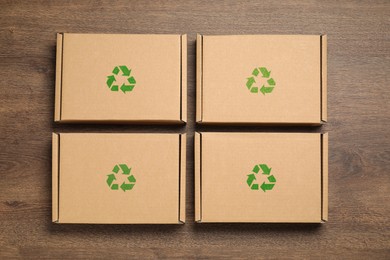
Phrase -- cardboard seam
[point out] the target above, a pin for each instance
(62, 73)
(201, 181)
(323, 80)
(58, 178)
(59, 77)
(198, 218)
(324, 177)
(179, 208)
(55, 178)
(183, 78)
(199, 78)
(183, 178)
(201, 85)
(122, 121)
(253, 123)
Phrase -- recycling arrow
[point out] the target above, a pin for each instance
(271, 82)
(126, 88)
(126, 187)
(265, 171)
(251, 178)
(254, 90)
(131, 80)
(116, 70)
(265, 186)
(110, 179)
(271, 178)
(265, 72)
(131, 178)
(125, 71)
(250, 82)
(265, 90)
(267, 86)
(125, 169)
(110, 79)
(123, 84)
(117, 171)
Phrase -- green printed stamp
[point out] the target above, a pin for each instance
(128, 81)
(268, 82)
(121, 177)
(266, 171)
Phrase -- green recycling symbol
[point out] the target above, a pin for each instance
(266, 88)
(128, 184)
(265, 171)
(126, 86)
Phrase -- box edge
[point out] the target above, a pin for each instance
(183, 96)
(199, 77)
(55, 176)
(197, 176)
(324, 78)
(324, 175)
(58, 77)
(182, 188)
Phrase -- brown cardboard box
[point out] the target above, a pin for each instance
(119, 178)
(261, 79)
(121, 78)
(261, 177)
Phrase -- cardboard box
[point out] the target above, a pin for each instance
(261, 177)
(261, 79)
(121, 78)
(119, 178)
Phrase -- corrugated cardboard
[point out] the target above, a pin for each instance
(291, 183)
(261, 79)
(85, 191)
(150, 73)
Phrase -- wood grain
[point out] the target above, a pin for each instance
(359, 123)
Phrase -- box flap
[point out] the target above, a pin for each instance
(240, 75)
(55, 176)
(199, 77)
(324, 78)
(183, 74)
(197, 165)
(137, 78)
(259, 177)
(325, 176)
(58, 82)
(144, 172)
(182, 188)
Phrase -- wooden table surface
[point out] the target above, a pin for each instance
(359, 123)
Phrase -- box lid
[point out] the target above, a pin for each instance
(119, 178)
(261, 177)
(121, 78)
(261, 79)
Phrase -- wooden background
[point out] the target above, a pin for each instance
(359, 123)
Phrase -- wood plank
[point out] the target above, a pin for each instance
(358, 125)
